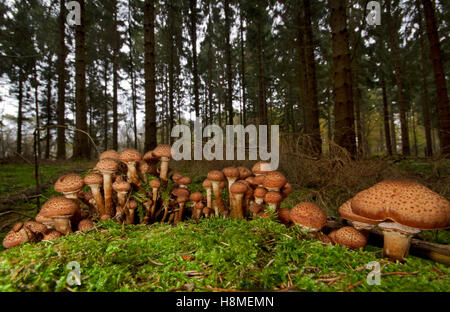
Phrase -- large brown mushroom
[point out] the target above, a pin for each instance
(130, 157)
(95, 181)
(216, 177)
(18, 235)
(349, 237)
(61, 210)
(107, 168)
(164, 152)
(231, 174)
(364, 225)
(308, 216)
(404, 207)
(109, 154)
(70, 185)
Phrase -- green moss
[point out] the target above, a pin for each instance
(230, 254)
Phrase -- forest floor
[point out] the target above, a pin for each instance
(216, 254)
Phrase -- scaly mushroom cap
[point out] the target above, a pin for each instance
(250, 180)
(105, 217)
(132, 204)
(259, 180)
(182, 199)
(238, 188)
(150, 157)
(273, 198)
(259, 192)
(215, 176)
(255, 208)
(249, 193)
(41, 219)
(274, 179)
(231, 172)
(199, 206)
(332, 236)
(52, 235)
(71, 182)
(110, 154)
(284, 215)
(85, 224)
(107, 165)
(180, 192)
(196, 197)
(93, 178)
(36, 227)
(14, 238)
(207, 184)
(286, 190)
(184, 181)
(143, 167)
(176, 176)
(207, 211)
(130, 155)
(155, 183)
(309, 215)
(261, 167)
(59, 206)
(244, 173)
(406, 202)
(121, 186)
(163, 150)
(345, 211)
(350, 237)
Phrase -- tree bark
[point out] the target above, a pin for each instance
(193, 31)
(439, 77)
(20, 115)
(150, 83)
(243, 68)
(344, 133)
(81, 142)
(115, 78)
(61, 136)
(262, 109)
(387, 131)
(229, 97)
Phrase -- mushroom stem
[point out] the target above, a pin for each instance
(62, 224)
(164, 168)
(397, 239)
(154, 198)
(216, 190)
(132, 174)
(208, 197)
(273, 207)
(179, 215)
(122, 197)
(96, 193)
(238, 211)
(231, 180)
(129, 216)
(107, 187)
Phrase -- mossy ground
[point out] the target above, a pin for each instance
(213, 254)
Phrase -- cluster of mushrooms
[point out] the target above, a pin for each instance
(399, 208)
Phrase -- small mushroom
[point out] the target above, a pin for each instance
(181, 200)
(286, 190)
(164, 152)
(130, 157)
(61, 210)
(122, 188)
(238, 190)
(349, 237)
(244, 173)
(207, 185)
(198, 208)
(70, 185)
(183, 182)
(95, 181)
(284, 216)
(261, 168)
(51, 235)
(37, 229)
(259, 194)
(18, 235)
(85, 224)
(129, 211)
(216, 177)
(107, 168)
(155, 185)
(308, 216)
(105, 217)
(256, 208)
(48, 222)
(207, 211)
(274, 181)
(176, 176)
(259, 180)
(109, 154)
(231, 174)
(273, 199)
(143, 168)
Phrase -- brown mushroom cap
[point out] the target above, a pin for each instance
(345, 211)
(284, 215)
(93, 178)
(261, 167)
(287, 189)
(155, 183)
(149, 156)
(163, 150)
(176, 176)
(59, 206)
(36, 227)
(273, 198)
(14, 238)
(255, 208)
(207, 184)
(41, 219)
(207, 210)
(107, 165)
(85, 224)
(199, 205)
(250, 180)
(259, 192)
(274, 179)
(259, 180)
(406, 202)
(132, 204)
(309, 215)
(231, 172)
(244, 173)
(71, 182)
(238, 188)
(180, 192)
(105, 217)
(195, 197)
(216, 176)
(184, 181)
(130, 155)
(111, 154)
(52, 235)
(350, 237)
(143, 166)
(182, 199)
(332, 236)
(121, 186)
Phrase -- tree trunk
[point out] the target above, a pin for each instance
(439, 76)
(393, 38)
(115, 79)
(170, 21)
(229, 97)
(36, 109)
(387, 131)
(61, 136)
(20, 115)
(262, 109)
(243, 82)
(81, 142)
(132, 76)
(150, 83)
(193, 31)
(312, 125)
(105, 104)
(48, 109)
(344, 133)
